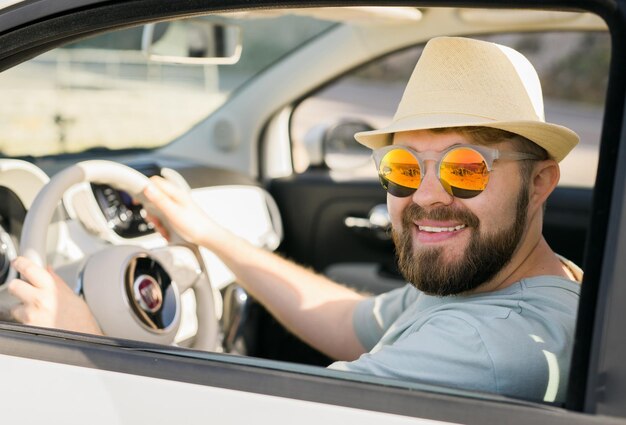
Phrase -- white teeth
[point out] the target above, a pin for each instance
(441, 229)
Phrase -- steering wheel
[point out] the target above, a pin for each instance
(133, 293)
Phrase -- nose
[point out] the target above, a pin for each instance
(431, 191)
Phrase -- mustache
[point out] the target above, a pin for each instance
(414, 212)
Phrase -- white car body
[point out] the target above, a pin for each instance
(50, 376)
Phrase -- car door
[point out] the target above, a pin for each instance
(120, 381)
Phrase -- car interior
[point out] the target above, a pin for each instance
(254, 113)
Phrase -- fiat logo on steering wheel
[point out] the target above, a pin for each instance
(148, 294)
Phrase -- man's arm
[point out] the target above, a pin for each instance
(309, 305)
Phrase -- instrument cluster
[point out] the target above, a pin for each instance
(125, 217)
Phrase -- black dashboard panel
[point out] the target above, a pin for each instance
(123, 216)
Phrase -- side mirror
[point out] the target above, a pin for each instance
(192, 41)
(340, 150)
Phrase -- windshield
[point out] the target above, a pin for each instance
(104, 92)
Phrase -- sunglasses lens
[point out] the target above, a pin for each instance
(463, 172)
(399, 173)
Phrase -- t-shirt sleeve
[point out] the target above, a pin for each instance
(373, 316)
(444, 351)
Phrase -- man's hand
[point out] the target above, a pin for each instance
(183, 215)
(47, 301)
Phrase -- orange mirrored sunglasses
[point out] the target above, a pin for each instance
(463, 170)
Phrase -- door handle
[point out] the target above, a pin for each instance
(377, 223)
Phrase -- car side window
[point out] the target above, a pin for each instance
(574, 82)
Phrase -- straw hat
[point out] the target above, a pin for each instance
(462, 82)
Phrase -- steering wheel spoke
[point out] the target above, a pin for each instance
(182, 263)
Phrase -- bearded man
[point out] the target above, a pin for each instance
(468, 163)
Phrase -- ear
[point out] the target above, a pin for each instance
(544, 179)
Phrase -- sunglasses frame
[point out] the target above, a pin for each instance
(488, 154)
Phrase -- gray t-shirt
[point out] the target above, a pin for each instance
(516, 341)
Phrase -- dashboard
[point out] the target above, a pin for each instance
(93, 216)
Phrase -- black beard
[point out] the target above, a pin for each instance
(484, 257)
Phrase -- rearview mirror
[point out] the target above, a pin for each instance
(192, 41)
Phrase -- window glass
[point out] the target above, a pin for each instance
(104, 92)
(127, 101)
(573, 68)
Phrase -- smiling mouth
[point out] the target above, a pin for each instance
(433, 229)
